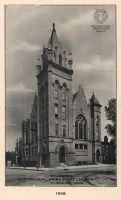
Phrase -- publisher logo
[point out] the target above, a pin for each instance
(100, 16)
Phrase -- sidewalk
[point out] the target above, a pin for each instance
(96, 166)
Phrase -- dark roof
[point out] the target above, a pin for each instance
(94, 100)
(75, 95)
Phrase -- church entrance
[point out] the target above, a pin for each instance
(62, 154)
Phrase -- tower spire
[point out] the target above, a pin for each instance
(53, 38)
(53, 26)
(94, 100)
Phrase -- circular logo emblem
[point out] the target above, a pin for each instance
(100, 16)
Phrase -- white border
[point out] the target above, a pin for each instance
(77, 193)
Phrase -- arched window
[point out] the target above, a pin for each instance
(54, 57)
(97, 128)
(60, 59)
(64, 95)
(56, 129)
(56, 90)
(76, 129)
(64, 85)
(85, 130)
(81, 127)
(56, 110)
(56, 93)
(57, 82)
(64, 91)
(64, 112)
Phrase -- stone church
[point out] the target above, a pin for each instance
(63, 127)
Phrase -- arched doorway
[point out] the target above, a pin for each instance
(98, 155)
(62, 154)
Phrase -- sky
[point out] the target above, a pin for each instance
(28, 29)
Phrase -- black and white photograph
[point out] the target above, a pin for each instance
(60, 95)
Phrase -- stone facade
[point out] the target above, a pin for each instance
(66, 128)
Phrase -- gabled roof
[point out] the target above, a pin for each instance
(94, 100)
(81, 93)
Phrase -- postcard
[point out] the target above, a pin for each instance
(60, 97)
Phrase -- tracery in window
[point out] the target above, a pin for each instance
(81, 127)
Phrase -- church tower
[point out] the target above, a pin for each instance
(54, 79)
(96, 128)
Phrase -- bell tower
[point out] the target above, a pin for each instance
(54, 80)
(95, 127)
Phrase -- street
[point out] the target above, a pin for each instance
(87, 176)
